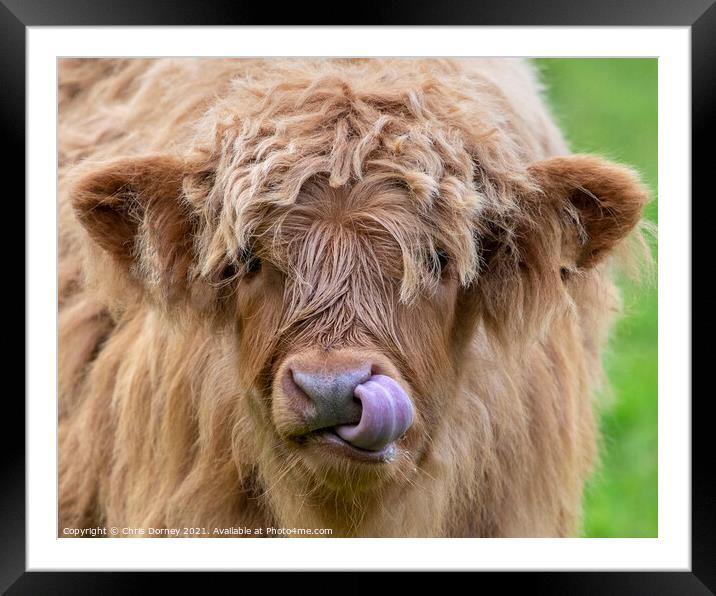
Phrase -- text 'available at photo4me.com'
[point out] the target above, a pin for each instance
(197, 532)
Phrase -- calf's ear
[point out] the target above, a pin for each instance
(134, 209)
(600, 203)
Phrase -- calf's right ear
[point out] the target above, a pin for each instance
(134, 209)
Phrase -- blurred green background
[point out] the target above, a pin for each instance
(609, 106)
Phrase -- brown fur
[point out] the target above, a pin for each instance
(343, 177)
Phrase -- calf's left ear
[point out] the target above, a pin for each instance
(600, 201)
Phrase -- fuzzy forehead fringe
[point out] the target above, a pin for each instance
(429, 128)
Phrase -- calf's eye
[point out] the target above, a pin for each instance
(247, 264)
(253, 265)
(442, 258)
(229, 272)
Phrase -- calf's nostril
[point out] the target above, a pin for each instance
(331, 393)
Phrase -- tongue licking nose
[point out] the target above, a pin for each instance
(387, 413)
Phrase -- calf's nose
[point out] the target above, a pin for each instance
(331, 393)
(367, 410)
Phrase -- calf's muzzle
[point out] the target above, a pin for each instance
(367, 410)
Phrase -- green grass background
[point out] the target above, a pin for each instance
(609, 107)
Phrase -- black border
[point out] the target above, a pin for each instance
(700, 15)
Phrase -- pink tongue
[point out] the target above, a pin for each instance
(387, 413)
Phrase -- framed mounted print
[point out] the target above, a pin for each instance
(414, 294)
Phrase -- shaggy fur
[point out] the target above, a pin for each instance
(218, 216)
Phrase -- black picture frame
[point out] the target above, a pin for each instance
(700, 15)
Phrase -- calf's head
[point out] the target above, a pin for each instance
(352, 264)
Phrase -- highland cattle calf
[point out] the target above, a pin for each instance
(365, 295)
